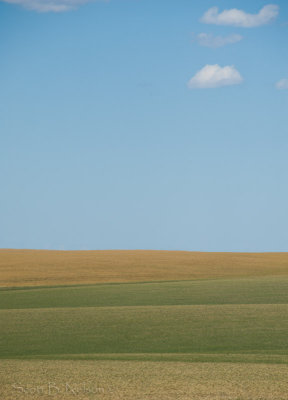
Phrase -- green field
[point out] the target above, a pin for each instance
(163, 329)
(271, 290)
(183, 319)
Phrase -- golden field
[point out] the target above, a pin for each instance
(49, 268)
(132, 380)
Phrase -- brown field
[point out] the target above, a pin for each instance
(45, 267)
(131, 380)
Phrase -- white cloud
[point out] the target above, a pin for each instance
(213, 76)
(282, 84)
(240, 18)
(208, 40)
(49, 5)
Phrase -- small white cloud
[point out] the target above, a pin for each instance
(282, 84)
(240, 18)
(213, 76)
(49, 5)
(208, 40)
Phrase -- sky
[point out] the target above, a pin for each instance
(143, 124)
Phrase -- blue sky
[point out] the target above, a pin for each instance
(122, 129)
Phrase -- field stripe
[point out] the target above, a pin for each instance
(45, 268)
(159, 329)
(224, 291)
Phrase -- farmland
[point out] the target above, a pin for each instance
(223, 336)
(134, 380)
(20, 268)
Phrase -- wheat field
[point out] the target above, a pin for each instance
(47, 268)
(133, 380)
(139, 325)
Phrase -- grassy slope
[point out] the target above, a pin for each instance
(39, 267)
(219, 317)
(241, 314)
(164, 329)
(223, 291)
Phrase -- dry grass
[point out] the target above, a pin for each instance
(44, 268)
(119, 380)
